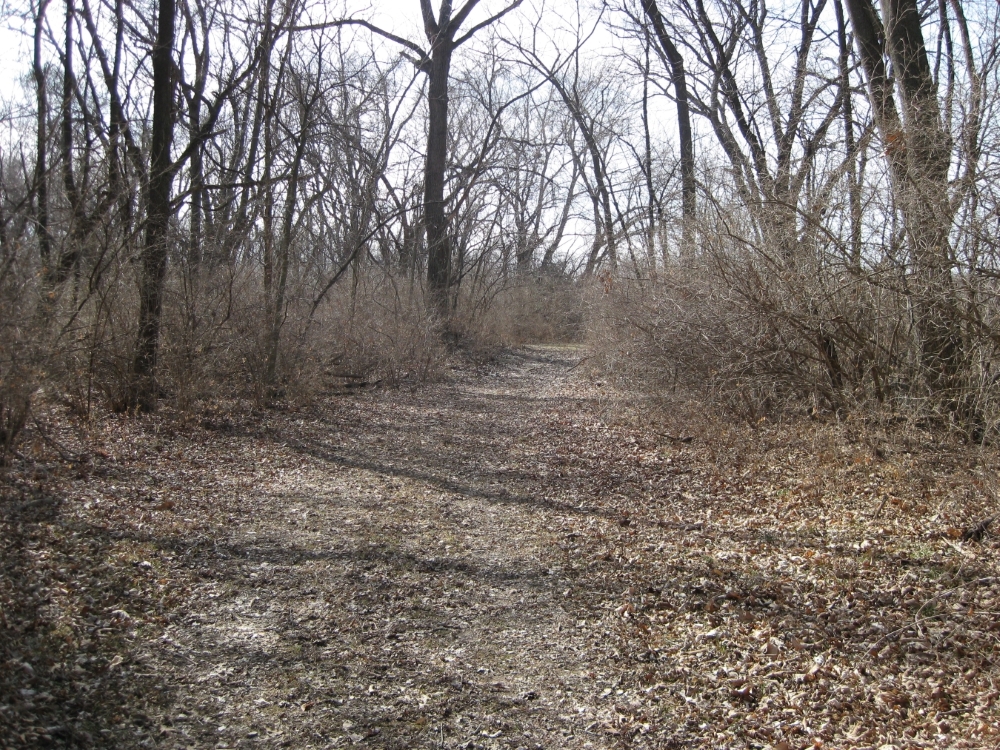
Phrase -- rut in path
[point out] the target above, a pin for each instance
(398, 582)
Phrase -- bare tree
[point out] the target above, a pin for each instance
(679, 80)
(918, 147)
(158, 211)
(593, 102)
(443, 38)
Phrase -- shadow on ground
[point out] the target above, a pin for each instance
(60, 685)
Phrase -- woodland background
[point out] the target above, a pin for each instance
(683, 314)
(786, 205)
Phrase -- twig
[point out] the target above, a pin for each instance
(918, 620)
(52, 442)
(676, 438)
(977, 532)
(880, 508)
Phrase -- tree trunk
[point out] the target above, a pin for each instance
(918, 150)
(195, 97)
(120, 140)
(41, 166)
(158, 210)
(647, 165)
(853, 178)
(678, 77)
(438, 241)
(281, 259)
(603, 217)
(59, 271)
(440, 34)
(197, 171)
(243, 220)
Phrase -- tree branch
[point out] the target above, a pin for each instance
(463, 14)
(430, 25)
(492, 19)
(365, 24)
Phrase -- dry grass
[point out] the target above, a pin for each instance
(760, 338)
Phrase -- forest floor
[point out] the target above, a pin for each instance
(519, 556)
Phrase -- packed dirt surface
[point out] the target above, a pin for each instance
(517, 557)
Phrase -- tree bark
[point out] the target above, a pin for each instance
(144, 393)
(918, 149)
(678, 77)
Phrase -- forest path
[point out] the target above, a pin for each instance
(398, 577)
(515, 557)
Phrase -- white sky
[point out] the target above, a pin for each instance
(15, 46)
(401, 17)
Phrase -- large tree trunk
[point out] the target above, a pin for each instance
(438, 240)
(441, 33)
(154, 254)
(679, 78)
(918, 149)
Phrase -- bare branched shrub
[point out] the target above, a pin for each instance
(376, 326)
(22, 365)
(108, 350)
(372, 327)
(21, 375)
(211, 334)
(758, 332)
(527, 307)
(683, 331)
(538, 308)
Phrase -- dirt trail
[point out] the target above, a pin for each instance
(511, 558)
(399, 583)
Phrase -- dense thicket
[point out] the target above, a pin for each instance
(844, 248)
(783, 200)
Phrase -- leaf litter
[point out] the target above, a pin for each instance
(517, 557)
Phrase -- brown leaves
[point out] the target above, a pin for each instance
(783, 590)
(443, 568)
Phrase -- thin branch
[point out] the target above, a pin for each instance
(365, 24)
(492, 19)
